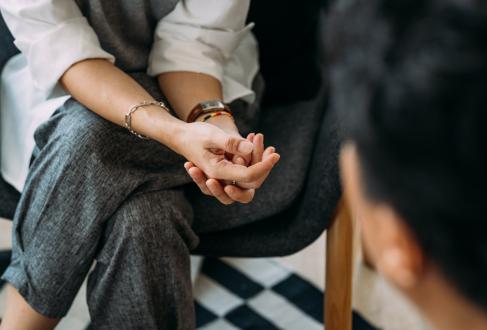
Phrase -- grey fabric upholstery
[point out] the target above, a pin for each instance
(8, 195)
(308, 216)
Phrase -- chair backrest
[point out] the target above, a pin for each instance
(8, 195)
(288, 35)
(7, 47)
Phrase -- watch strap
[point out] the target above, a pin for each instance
(207, 107)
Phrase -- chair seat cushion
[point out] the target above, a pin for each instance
(292, 129)
(299, 224)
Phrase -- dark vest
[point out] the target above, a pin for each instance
(126, 28)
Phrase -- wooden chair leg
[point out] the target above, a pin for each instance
(339, 269)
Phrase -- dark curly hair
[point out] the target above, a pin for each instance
(410, 77)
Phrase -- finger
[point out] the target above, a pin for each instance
(188, 165)
(239, 160)
(200, 179)
(250, 137)
(226, 170)
(243, 196)
(231, 144)
(258, 148)
(217, 190)
(269, 154)
(271, 157)
(268, 151)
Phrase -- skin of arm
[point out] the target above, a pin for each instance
(109, 92)
(186, 89)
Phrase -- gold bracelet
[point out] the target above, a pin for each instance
(128, 116)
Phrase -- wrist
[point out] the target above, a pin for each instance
(172, 134)
(225, 123)
(163, 127)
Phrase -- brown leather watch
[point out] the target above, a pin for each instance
(207, 107)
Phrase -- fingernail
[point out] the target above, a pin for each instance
(245, 147)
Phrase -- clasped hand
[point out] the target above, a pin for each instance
(217, 157)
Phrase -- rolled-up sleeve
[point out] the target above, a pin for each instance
(53, 35)
(203, 36)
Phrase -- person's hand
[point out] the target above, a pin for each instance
(242, 192)
(259, 154)
(206, 146)
(227, 124)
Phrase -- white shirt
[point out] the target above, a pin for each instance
(200, 36)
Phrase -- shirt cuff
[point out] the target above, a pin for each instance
(180, 47)
(184, 56)
(66, 44)
(235, 90)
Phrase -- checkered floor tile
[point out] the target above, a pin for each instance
(243, 294)
(258, 294)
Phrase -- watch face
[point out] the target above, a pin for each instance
(210, 105)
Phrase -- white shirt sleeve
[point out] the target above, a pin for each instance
(203, 36)
(53, 35)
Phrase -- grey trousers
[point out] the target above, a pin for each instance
(96, 192)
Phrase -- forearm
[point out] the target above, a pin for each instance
(184, 90)
(109, 92)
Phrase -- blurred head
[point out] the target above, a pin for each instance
(411, 77)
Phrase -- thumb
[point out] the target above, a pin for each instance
(233, 144)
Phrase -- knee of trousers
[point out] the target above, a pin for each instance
(75, 136)
(154, 223)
